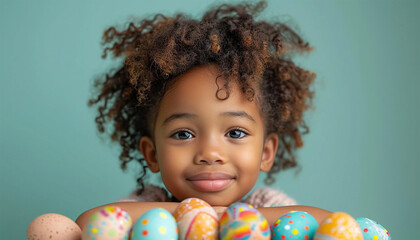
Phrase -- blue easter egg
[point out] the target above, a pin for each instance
(372, 229)
(294, 225)
(156, 223)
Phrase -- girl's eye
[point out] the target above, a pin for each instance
(182, 135)
(236, 133)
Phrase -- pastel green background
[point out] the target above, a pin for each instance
(361, 156)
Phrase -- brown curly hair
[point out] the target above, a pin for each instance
(157, 50)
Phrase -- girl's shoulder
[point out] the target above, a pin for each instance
(268, 197)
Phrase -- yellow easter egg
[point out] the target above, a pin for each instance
(339, 226)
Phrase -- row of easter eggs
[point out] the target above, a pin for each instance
(196, 219)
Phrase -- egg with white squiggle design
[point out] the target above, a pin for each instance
(196, 219)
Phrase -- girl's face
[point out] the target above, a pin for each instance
(205, 147)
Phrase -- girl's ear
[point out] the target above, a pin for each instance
(147, 148)
(269, 151)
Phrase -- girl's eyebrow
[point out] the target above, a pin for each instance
(177, 116)
(238, 114)
(174, 116)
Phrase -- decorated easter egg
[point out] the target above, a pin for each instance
(157, 223)
(372, 229)
(108, 223)
(196, 219)
(243, 221)
(53, 226)
(339, 226)
(294, 225)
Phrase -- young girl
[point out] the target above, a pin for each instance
(209, 104)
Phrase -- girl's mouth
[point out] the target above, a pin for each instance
(210, 182)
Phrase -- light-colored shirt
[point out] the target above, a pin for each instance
(260, 197)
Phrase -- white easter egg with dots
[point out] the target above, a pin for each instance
(108, 223)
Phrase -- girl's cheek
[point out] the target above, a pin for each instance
(175, 155)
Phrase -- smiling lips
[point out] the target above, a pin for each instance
(210, 182)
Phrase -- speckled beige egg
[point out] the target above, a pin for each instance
(53, 226)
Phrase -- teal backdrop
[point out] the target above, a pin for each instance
(362, 155)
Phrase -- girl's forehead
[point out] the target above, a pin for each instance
(201, 88)
(193, 80)
(203, 82)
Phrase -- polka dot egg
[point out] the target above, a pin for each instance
(339, 225)
(196, 219)
(109, 223)
(157, 223)
(243, 221)
(294, 225)
(372, 230)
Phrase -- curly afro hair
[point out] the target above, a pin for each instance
(157, 50)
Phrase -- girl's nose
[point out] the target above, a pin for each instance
(209, 152)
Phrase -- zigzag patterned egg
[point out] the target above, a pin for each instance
(196, 219)
(242, 221)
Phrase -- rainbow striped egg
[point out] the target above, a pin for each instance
(242, 221)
